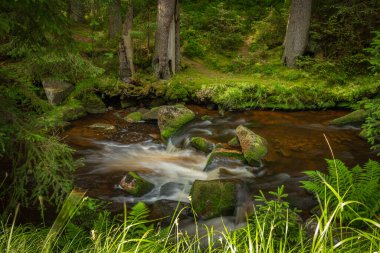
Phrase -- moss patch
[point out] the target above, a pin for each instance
(133, 117)
(355, 117)
(172, 118)
(234, 142)
(213, 198)
(202, 144)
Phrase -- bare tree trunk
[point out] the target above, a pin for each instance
(126, 68)
(177, 38)
(297, 32)
(115, 23)
(167, 39)
(76, 10)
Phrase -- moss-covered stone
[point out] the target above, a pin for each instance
(133, 117)
(224, 157)
(202, 144)
(135, 185)
(93, 104)
(172, 118)
(254, 147)
(234, 142)
(152, 114)
(354, 118)
(213, 198)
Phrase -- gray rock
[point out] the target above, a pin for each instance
(56, 91)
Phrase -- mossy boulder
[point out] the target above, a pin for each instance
(152, 114)
(93, 104)
(234, 142)
(202, 144)
(354, 118)
(254, 147)
(135, 185)
(222, 157)
(133, 117)
(172, 118)
(213, 198)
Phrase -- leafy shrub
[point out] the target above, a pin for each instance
(193, 49)
(374, 52)
(371, 126)
(65, 66)
(359, 184)
(273, 220)
(270, 32)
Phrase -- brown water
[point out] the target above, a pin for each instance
(296, 143)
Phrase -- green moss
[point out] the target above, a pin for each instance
(176, 124)
(234, 142)
(256, 153)
(222, 152)
(133, 117)
(213, 198)
(201, 144)
(355, 117)
(93, 104)
(136, 185)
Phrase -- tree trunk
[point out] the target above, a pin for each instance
(126, 67)
(297, 32)
(115, 23)
(166, 59)
(76, 10)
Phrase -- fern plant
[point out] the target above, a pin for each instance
(359, 184)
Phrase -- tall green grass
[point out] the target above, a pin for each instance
(136, 234)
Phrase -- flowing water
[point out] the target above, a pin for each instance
(296, 143)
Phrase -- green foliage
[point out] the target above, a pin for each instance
(270, 31)
(371, 126)
(194, 49)
(359, 184)
(343, 28)
(374, 51)
(27, 26)
(275, 219)
(63, 66)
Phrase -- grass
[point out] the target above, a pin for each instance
(270, 86)
(136, 234)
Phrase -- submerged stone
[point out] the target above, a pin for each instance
(172, 118)
(354, 118)
(135, 185)
(213, 198)
(56, 91)
(103, 127)
(133, 117)
(254, 147)
(202, 144)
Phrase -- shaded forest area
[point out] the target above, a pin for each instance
(61, 60)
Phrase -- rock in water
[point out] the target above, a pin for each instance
(213, 198)
(254, 147)
(56, 91)
(133, 117)
(152, 114)
(234, 142)
(172, 118)
(202, 144)
(135, 185)
(224, 157)
(354, 118)
(103, 127)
